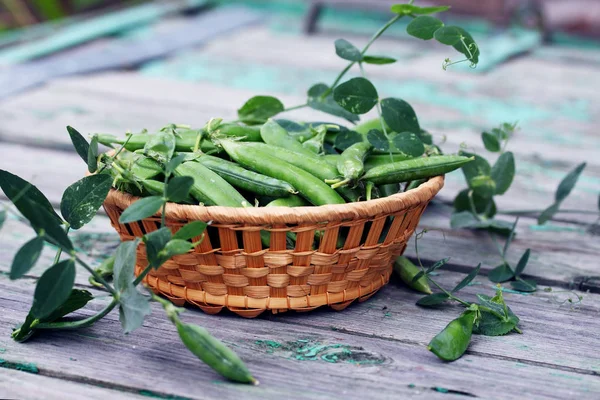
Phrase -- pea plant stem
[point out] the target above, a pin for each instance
(96, 276)
(364, 50)
(141, 276)
(59, 251)
(81, 323)
(295, 107)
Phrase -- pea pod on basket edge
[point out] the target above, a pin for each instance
(416, 168)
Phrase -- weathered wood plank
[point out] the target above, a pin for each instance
(395, 367)
(25, 385)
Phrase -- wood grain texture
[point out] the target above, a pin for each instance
(16, 384)
(395, 368)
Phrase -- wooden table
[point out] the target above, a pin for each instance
(382, 340)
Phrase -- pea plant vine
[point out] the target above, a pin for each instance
(55, 296)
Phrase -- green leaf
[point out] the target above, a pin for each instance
(483, 205)
(478, 175)
(425, 137)
(327, 104)
(143, 208)
(465, 219)
(81, 200)
(155, 244)
(510, 237)
(79, 143)
(522, 263)
(489, 324)
(160, 146)
(448, 35)
(178, 246)
(179, 188)
(432, 300)
(568, 183)
(503, 172)
(490, 142)
(438, 265)
(77, 299)
(346, 50)
(357, 95)
(467, 46)
(468, 279)
(347, 138)
(424, 27)
(190, 230)
(524, 285)
(399, 115)
(124, 265)
(24, 195)
(92, 156)
(53, 288)
(407, 9)
(501, 273)
(133, 308)
(548, 213)
(259, 109)
(26, 257)
(378, 140)
(408, 143)
(378, 60)
(176, 162)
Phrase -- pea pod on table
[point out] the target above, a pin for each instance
(451, 343)
(416, 168)
(407, 271)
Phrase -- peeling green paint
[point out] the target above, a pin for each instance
(25, 367)
(440, 389)
(312, 350)
(549, 227)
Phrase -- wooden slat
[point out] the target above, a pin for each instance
(115, 358)
(15, 384)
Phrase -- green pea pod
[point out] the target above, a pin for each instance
(407, 271)
(331, 158)
(246, 133)
(313, 164)
(245, 179)
(209, 188)
(388, 190)
(417, 168)
(252, 156)
(291, 201)
(451, 343)
(351, 163)
(375, 160)
(214, 353)
(272, 133)
(415, 184)
(184, 141)
(105, 270)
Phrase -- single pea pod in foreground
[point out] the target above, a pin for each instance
(214, 353)
(451, 343)
(416, 168)
(407, 271)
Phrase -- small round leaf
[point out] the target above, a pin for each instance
(357, 95)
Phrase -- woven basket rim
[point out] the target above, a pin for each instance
(292, 215)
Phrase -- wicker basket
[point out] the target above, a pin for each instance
(230, 268)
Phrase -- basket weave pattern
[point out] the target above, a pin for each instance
(232, 269)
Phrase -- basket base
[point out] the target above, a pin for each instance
(248, 307)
